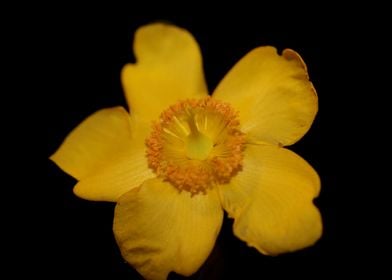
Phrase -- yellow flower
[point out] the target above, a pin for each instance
(180, 158)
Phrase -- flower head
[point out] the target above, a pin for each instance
(180, 157)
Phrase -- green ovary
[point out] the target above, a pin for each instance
(198, 146)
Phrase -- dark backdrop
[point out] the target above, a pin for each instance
(88, 51)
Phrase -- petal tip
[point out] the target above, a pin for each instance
(159, 34)
(58, 159)
(82, 192)
(78, 191)
(52, 157)
(292, 55)
(271, 49)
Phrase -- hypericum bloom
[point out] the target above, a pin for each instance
(180, 158)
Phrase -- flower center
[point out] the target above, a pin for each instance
(196, 144)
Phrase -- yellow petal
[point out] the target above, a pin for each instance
(106, 154)
(159, 229)
(169, 68)
(93, 142)
(271, 200)
(276, 101)
(120, 176)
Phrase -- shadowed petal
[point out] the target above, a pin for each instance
(160, 230)
(271, 200)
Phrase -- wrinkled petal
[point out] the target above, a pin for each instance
(271, 200)
(276, 100)
(106, 154)
(168, 68)
(159, 229)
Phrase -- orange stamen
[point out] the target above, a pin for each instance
(196, 144)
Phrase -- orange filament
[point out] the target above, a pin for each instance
(196, 144)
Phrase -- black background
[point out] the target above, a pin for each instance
(88, 51)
